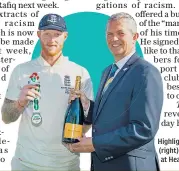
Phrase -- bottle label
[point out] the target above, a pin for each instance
(36, 118)
(73, 130)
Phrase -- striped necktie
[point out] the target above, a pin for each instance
(110, 77)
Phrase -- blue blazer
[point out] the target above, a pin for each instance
(126, 119)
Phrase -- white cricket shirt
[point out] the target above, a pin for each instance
(40, 147)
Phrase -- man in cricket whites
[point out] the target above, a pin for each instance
(38, 91)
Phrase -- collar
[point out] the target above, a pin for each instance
(59, 61)
(122, 62)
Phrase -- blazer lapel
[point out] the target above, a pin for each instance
(117, 78)
(98, 97)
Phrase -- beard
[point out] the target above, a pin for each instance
(53, 50)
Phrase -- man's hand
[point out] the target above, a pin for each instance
(28, 92)
(85, 145)
(76, 94)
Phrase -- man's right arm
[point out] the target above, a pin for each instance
(11, 110)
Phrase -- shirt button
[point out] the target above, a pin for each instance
(94, 130)
(106, 158)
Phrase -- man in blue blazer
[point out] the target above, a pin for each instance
(126, 113)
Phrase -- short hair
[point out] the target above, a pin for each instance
(126, 16)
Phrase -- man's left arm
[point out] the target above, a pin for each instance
(144, 118)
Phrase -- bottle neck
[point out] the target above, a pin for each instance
(77, 85)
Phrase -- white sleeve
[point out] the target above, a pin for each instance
(87, 85)
(13, 89)
(87, 88)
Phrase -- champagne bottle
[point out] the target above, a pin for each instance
(73, 124)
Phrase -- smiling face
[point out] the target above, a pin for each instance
(120, 39)
(52, 41)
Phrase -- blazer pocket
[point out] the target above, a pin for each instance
(146, 164)
(139, 153)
